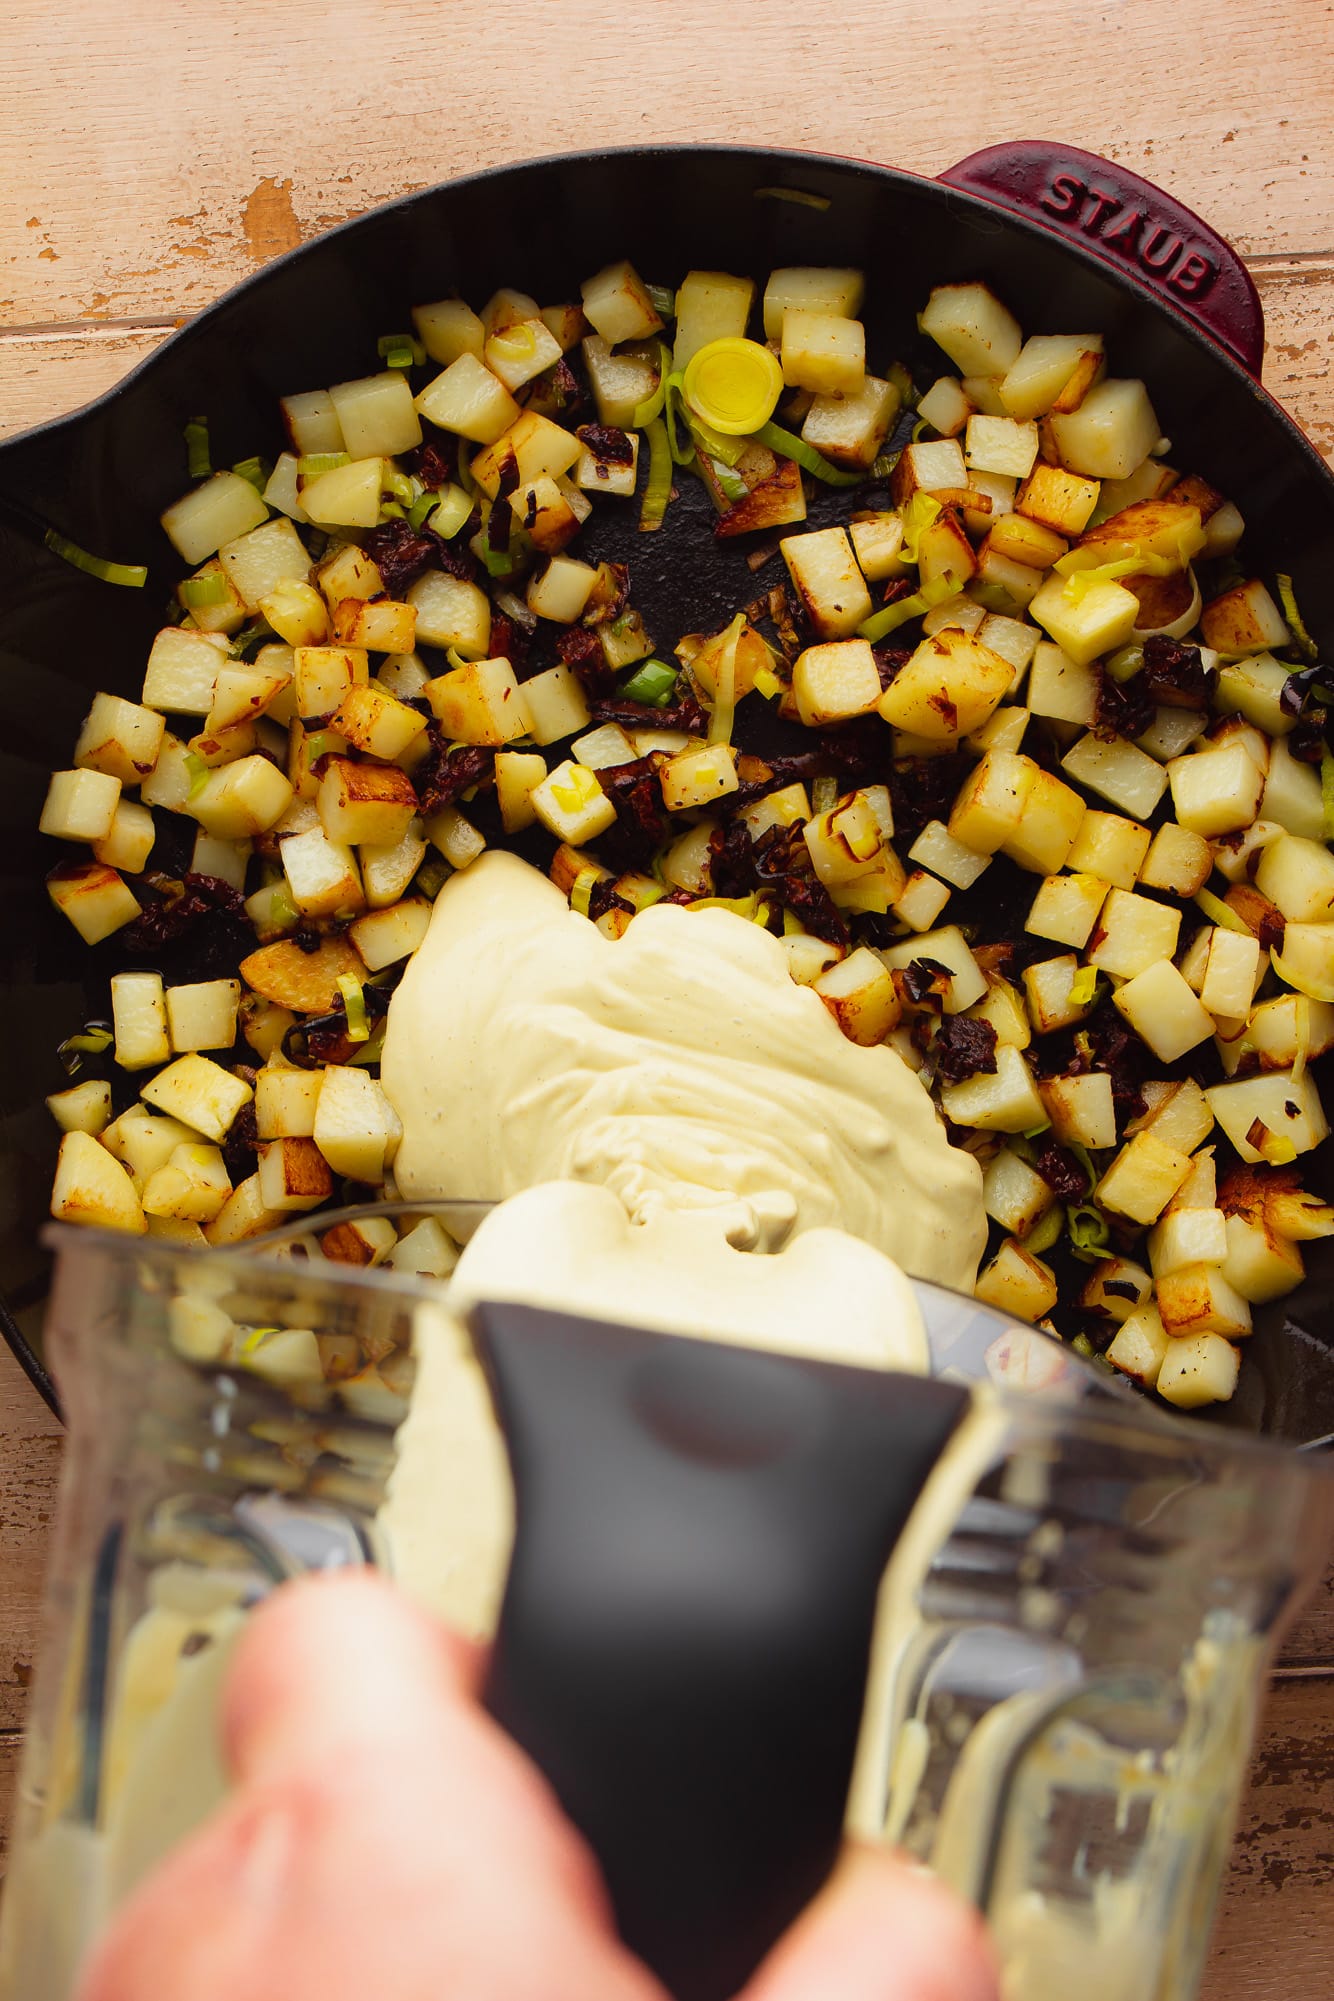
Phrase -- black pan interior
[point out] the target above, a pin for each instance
(314, 316)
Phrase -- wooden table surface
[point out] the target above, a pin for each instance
(153, 154)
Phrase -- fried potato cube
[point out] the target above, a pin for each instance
(1232, 973)
(139, 1012)
(1017, 1283)
(224, 507)
(1197, 1299)
(348, 573)
(91, 1187)
(1110, 846)
(835, 681)
(620, 382)
(293, 1175)
(1163, 1011)
(980, 336)
(1298, 876)
(1143, 1178)
(285, 1102)
(259, 563)
(1265, 1116)
(948, 688)
(931, 465)
(921, 900)
(810, 288)
(1085, 620)
(371, 803)
(242, 799)
(454, 834)
(1179, 861)
(244, 1215)
(1198, 1369)
(1216, 791)
(991, 803)
(192, 1186)
(1187, 1237)
(1014, 1194)
(849, 429)
(532, 443)
(1244, 620)
(572, 805)
(1007, 1101)
(119, 738)
(1001, 444)
(518, 773)
(1081, 1109)
(1051, 371)
(83, 1108)
(469, 400)
(81, 805)
(373, 720)
(200, 1093)
(376, 415)
(1140, 1346)
(826, 578)
(859, 993)
(346, 497)
(596, 474)
(1051, 819)
(1120, 772)
(617, 304)
(698, 777)
(480, 703)
(448, 328)
(949, 948)
(322, 874)
(94, 898)
(823, 352)
(1059, 500)
(356, 1128)
(385, 936)
(1047, 989)
(1113, 430)
(1115, 1288)
(1066, 908)
(1135, 933)
(202, 1015)
(945, 407)
(383, 627)
(937, 849)
(1258, 1264)
(451, 612)
(561, 591)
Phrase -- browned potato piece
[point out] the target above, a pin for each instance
(306, 982)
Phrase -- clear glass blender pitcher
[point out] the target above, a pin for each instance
(1007, 1617)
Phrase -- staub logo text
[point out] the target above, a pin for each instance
(1136, 233)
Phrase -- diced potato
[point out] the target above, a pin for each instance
(835, 681)
(809, 288)
(1198, 1369)
(1187, 1237)
(1244, 620)
(937, 849)
(808, 957)
(1110, 846)
(258, 563)
(521, 351)
(617, 304)
(224, 507)
(403, 675)
(1051, 819)
(945, 407)
(200, 1093)
(1197, 1299)
(1178, 860)
(1000, 444)
(921, 901)
(1143, 1178)
(240, 696)
(356, 1128)
(469, 400)
(203, 1016)
(312, 422)
(451, 612)
(1007, 1101)
(697, 777)
(1046, 368)
(1264, 1116)
(1140, 1346)
(1066, 908)
(91, 1187)
(859, 992)
(1136, 932)
(448, 328)
(322, 676)
(1293, 797)
(1059, 500)
(1002, 1005)
(556, 705)
(991, 804)
(604, 747)
(94, 898)
(424, 1249)
(1115, 1289)
(1081, 1109)
(285, 1102)
(1257, 1264)
(1163, 1011)
(386, 936)
(1020, 540)
(349, 573)
(322, 874)
(182, 669)
(242, 799)
(1171, 732)
(192, 1186)
(81, 805)
(518, 773)
(571, 803)
(823, 352)
(620, 382)
(1281, 1028)
(1119, 772)
(224, 746)
(973, 328)
(244, 1215)
(1014, 1194)
(1307, 959)
(386, 871)
(293, 1175)
(1111, 432)
(1199, 1190)
(83, 1108)
(346, 497)
(949, 687)
(1298, 876)
(992, 495)
(949, 948)
(561, 591)
(851, 428)
(282, 490)
(604, 475)
(373, 720)
(372, 803)
(119, 738)
(380, 628)
(1232, 973)
(1005, 730)
(826, 578)
(456, 837)
(710, 305)
(931, 465)
(532, 443)
(1017, 1283)
(1018, 581)
(1215, 791)
(1252, 687)
(1047, 988)
(365, 1242)
(139, 1011)
(1086, 618)
(1180, 1117)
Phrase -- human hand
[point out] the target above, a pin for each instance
(386, 1841)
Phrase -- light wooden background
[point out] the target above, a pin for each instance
(153, 152)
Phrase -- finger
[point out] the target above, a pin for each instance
(338, 1659)
(881, 1930)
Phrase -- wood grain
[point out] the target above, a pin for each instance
(29, 1460)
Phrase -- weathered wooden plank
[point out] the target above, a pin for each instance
(30, 1442)
(188, 153)
(44, 375)
(11, 1750)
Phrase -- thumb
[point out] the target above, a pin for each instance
(882, 1929)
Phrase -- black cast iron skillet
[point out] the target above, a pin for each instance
(733, 1692)
(1069, 241)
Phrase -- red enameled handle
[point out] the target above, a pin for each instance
(1128, 223)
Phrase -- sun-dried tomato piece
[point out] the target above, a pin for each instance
(1174, 673)
(642, 824)
(964, 1048)
(1124, 708)
(783, 864)
(1061, 1171)
(923, 789)
(732, 860)
(177, 908)
(608, 443)
(399, 553)
(443, 776)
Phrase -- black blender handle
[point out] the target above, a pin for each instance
(701, 1535)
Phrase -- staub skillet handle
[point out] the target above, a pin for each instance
(701, 1533)
(1146, 234)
